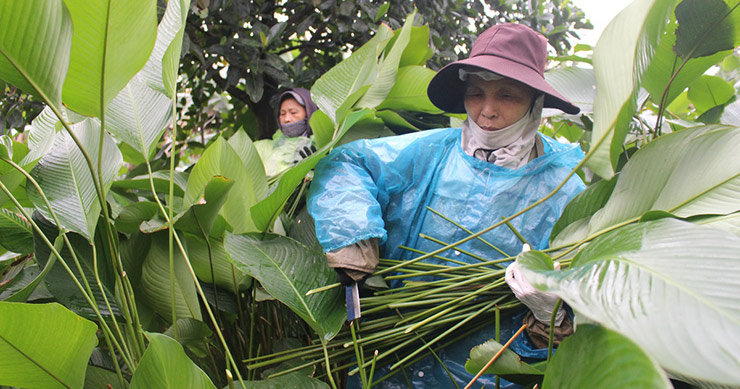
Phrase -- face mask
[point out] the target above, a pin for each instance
(299, 128)
(508, 147)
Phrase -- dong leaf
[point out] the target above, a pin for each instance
(165, 365)
(691, 172)
(56, 359)
(288, 270)
(708, 92)
(155, 282)
(220, 159)
(621, 58)
(64, 176)
(667, 285)
(597, 357)
(138, 116)
(35, 46)
(578, 212)
(212, 265)
(340, 88)
(388, 67)
(507, 364)
(291, 380)
(160, 71)
(409, 92)
(578, 85)
(15, 232)
(112, 41)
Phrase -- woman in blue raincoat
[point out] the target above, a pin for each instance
(370, 197)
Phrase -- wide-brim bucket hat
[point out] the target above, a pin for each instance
(510, 50)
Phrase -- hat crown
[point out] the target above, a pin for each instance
(514, 42)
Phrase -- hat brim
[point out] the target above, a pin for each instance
(447, 91)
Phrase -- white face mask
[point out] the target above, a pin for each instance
(508, 147)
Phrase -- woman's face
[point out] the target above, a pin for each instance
(291, 111)
(496, 104)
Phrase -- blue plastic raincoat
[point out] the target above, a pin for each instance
(381, 188)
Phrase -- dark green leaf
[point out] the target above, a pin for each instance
(597, 357)
(705, 27)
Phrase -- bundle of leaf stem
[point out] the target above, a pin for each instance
(436, 306)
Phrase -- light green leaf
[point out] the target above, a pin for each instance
(155, 282)
(708, 92)
(138, 116)
(244, 147)
(417, 51)
(687, 173)
(265, 212)
(409, 92)
(134, 214)
(339, 86)
(160, 71)
(578, 85)
(35, 41)
(669, 286)
(200, 218)
(388, 67)
(165, 365)
(621, 58)
(507, 364)
(65, 178)
(112, 41)
(41, 135)
(288, 270)
(56, 359)
(597, 357)
(220, 159)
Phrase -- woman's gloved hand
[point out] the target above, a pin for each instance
(540, 303)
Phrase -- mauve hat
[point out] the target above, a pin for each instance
(511, 50)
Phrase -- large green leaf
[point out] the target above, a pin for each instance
(687, 173)
(212, 265)
(220, 159)
(288, 270)
(669, 286)
(596, 357)
(112, 41)
(417, 51)
(160, 71)
(388, 67)
(244, 147)
(161, 180)
(337, 90)
(41, 135)
(43, 346)
(138, 116)
(165, 365)
(409, 92)
(35, 41)
(267, 210)
(621, 57)
(578, 85)
(15, 232)
(59, 282)
(65, 178)
(578, 212)
(155, 282)
(508, 363)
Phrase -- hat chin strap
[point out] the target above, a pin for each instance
(508, 147)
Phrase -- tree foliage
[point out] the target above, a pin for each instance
(254, 49)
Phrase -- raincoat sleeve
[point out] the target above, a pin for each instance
(353, 184)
